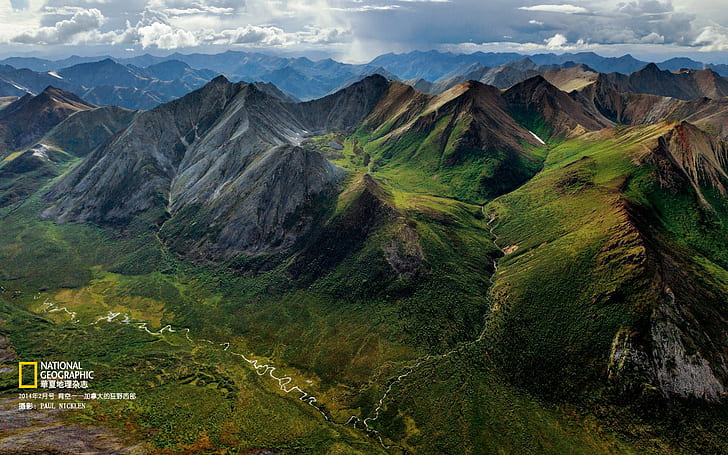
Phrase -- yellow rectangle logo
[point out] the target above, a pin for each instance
(34, 385)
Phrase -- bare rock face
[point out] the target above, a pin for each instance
(696, 156)
(628, 362)
(404, 253)
(345, 109)
(678, 371)
(264, 207)
(7, 354)
(133, 172)
(677, 349)
(221, 167)
(43, 432)
(667, 358)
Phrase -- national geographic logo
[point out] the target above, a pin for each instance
(52, 375)
(24, 383)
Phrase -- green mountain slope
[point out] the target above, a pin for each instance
(446, 284)
(461, 143)
(627, 284)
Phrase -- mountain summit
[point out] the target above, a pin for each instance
(222, 163)
(29, 118)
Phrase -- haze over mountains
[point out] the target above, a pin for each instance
(145, 81)
(529, 255)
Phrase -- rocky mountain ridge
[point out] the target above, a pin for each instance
(217, 156)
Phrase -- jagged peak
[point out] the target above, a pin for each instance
(405, 86)
(579, 66)
(470, 88)
(213, 88)
(375, 78)
(57, 92)
(52, 94)
(531, 84)
(522, 64)
(373, 187)
(535, 80)
(525, 60)
(219, 80)
(372, 83)
(363, 187)
(650, 68)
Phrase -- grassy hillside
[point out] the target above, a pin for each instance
(376, 311)
(461, 144)
(593, 244)
(315, 316)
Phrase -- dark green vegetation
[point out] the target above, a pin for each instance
(601, 332)
(334, 334)
(622, 239)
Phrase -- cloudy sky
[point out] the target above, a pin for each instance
(357, 30)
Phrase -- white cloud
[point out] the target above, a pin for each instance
(556, 42)
(250, 34)
(210, 6)
(359, 29)
(66, 31)
(363, 8)
(640, 7)
(548, 45)
(654, 38)
(163, 36)
(198, 11)
(712, 38)
(274, 36)
(325, 35)
(564, 8)
(19, 4)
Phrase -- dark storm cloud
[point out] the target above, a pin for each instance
(423, 24)
(429, 24)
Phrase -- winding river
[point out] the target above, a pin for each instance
(286, 383)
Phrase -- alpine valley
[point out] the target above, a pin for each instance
(426, 254)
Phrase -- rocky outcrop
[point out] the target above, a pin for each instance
(667, 358)
(344, 110)
(685, 152)
(677, 348)
(221, 167)
(404, 252)
(133, 172)
(680, 370)
(265, 208)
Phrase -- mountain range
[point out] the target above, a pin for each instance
(535, 266)
(145, 81)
